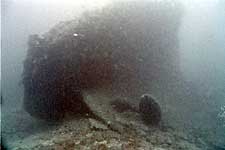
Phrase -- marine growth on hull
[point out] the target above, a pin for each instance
(122, 47)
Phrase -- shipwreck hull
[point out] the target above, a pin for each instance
(122, 53)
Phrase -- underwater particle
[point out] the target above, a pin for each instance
(150, 110)
(75, 34)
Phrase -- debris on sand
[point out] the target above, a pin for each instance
(150, 110)
(78, 134)
(96, 125)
